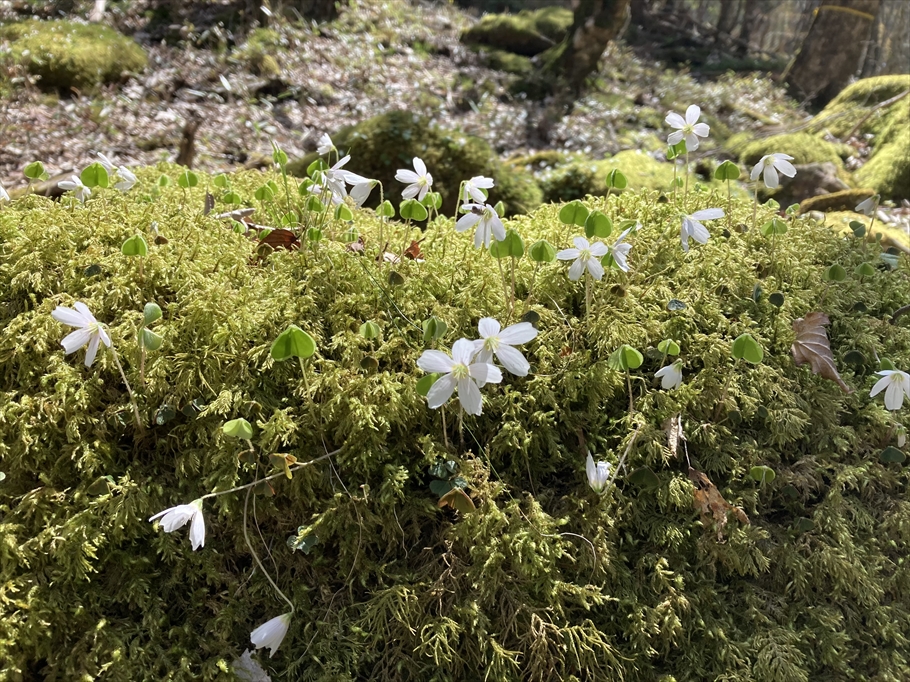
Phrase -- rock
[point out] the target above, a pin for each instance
(803, 147)
(527, 33)
(845, 200)
(812, 180)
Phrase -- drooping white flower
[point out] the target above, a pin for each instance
(472, 189)
(489, 226)
(687, 128)
(336, 178)
(106, 162)
(89, 331)
(419, 182)
(271, 633)
(326, 146)
(585, 255)
(895, 384)
(868, 206)
(501, 342)
(177, 517)
(768, 167)
(322, 189)
(691, 227)
(81, 192)
(4, 195)
(620, 250)
(459, 371)
(670, 376)
(127, 179)
(598, 474)
(361, 191)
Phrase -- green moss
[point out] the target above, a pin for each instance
(736, 144)
(259, 51)
(381, 145)
(844, 200)
(888, 171)
(66, 54)
(857, 101)
(545, 580)
(803, 147)
(889, 236)
(527, 33)
(501, 60)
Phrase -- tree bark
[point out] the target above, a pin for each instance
(756, 10)
(831, 51)
(729, 10)
(595, 24)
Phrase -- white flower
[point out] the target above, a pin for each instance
(106, 162)
(897, 384)
(489, 226)
(361, 191)
(620, 250)
(4, 195)
(688, 128)
(867, 207)
(336, 177)
(177, 517)
(502, 344)
(127, 179)
(271, 633)
(247, 669)
(419, 182)
(472, 189)
(769, 166)
(691, 227)
(81, 191)
(586, 256)
(322, 189)
(459, 370)
(670, 376)
(598, 474)
(326, 146)
(89, 331)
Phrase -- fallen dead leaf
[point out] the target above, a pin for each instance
(711, 504)
(812, 346)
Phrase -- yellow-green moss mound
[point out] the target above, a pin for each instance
(383, 144)
(65, 54)
(545, 580)
(259, 50)
(803, 147)
(527, 33)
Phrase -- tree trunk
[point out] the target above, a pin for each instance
(595, 24)
(729, 10)
(830, 52)
(873, 50)
(640, 11)
(756, 10)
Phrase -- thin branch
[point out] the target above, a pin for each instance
(273, 476)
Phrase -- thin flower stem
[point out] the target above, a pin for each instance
(622, 461)
(729, 206)
(281, 474)
(505, 285)
(587, 293)
(631, 399)
(129, 389)
(445, 436)
(249, 546)
(686, 191)
(755, 208)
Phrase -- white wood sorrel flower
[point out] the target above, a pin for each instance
(691, 227)
(459, 370)
(89, 332)
(770, 165)
(177, 517)
(80, 191)
(336, 178)
(895, 384)
(326, 146)
(670, 376)
(585, 256)
(271, 633)
(501, 342)
(868, 206)
(4, 196)
(598, 474)
(472, 189)
(687, 128)
(620, 250)
(419, 183)
(489, 226)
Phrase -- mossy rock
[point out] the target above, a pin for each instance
(381, 145)
(803, 147)
(501, 60)
(67, 55)
(527, 33)
(736, 144)
(545, 580)
(845, 200)
(260, 51)
(858, 101)
(888, 171)
(888, 235)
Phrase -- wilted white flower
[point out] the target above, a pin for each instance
(177, 517)
(768, 167)
(620, 250)
(4, 195)
(89, 331)
(419, 183)
(868, 206)
(598, 474)
(459, 370)
(361, 191)
(502, 344)
(896, 385)
(81, 192)
(585, 255)
(691, 227)
(326, 146)
(671, 375)
(489, 226)
(688, 127)
(127, 179)
(472, 189)
(271, 633)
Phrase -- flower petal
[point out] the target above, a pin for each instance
(92, 349)
(568, 254)
(581, 243)
(599, 249)
(771, 179)
(708, 214)
(499, 230)
(76, 340)
(406, 176)
(420, 166)
(674, 120)
(519, 333)
(692, 114)
(675, 138)
(785, 168)
(691, 142)
(894, 396)
(513, 360)
(756, 171)
(435, 361)
(576, 270)
(441, 391)
(69, 316)
(488, 327)
(701, 129)
(197, 530)
(410, 191)
(485, 373)
(880, 386)
(469, 397)
(699, 232)
(595, 268)
(463, 352)
(82, 309)
(466, 222)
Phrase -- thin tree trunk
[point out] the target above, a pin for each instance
(873, 49)
(755, 11)
(595, 24)
(830, 52)
(729, 9)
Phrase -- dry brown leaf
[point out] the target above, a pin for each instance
(812, 346)
(711, 504)
(674, 430)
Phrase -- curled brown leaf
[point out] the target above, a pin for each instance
(812, 346)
